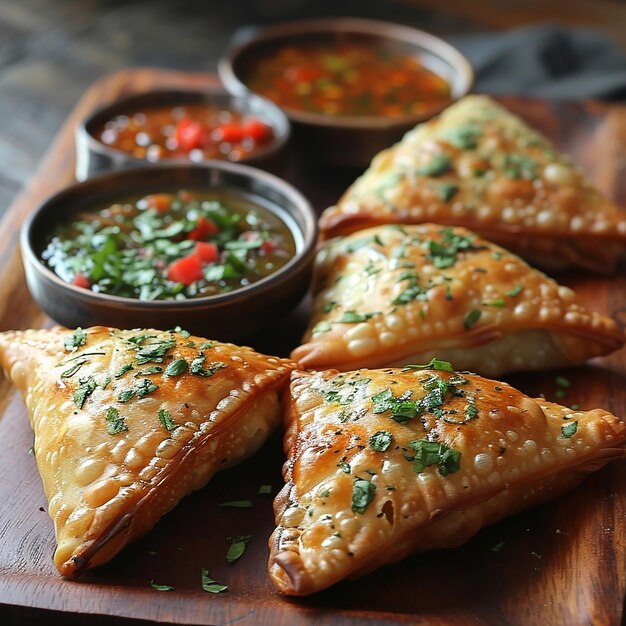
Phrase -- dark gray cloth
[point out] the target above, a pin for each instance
(546, 61)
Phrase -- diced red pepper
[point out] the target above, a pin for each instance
(203, 228)
(80, 280)
(268, 246)
(231, 133)
(297, 74)
(257, 130)
(160, 202)
(207, 252)
(189, 134)
(186, 270)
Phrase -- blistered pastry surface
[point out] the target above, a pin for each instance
(510, 450)
(144, 435)
(392, 295)
(477, 165)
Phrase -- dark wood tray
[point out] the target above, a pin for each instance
(562, 563)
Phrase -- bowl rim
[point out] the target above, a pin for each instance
(245, 39)
(300, 259)
(281, 134)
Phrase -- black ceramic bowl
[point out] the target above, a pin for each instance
(349, 141)
(228, 316)
(95, 157)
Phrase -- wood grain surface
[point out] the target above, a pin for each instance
(562, 563)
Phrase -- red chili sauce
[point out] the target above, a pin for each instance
(347, 79)
(194, 131)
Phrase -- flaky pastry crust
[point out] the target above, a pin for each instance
(385, 463)
(126, 423)
(477, 165)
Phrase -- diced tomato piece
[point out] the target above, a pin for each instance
(207, 252)
(185, 196)
(186, 270)
(160, 202)
(231, 133)
(268, 246)
(297, 74)
(257, 130)
(80, 280)
(204, 228)
(189, 134)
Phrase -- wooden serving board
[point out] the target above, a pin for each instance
(562, 563)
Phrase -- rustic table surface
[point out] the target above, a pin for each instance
(52, 50)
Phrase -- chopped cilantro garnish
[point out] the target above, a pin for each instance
(328, 307)
(68, 373)
(515, 291)
(147, 371)
(264, 490)
(444, 253)
(520, 166)
(362, 243)
(74, 341)
(438, 164)
(210, 585)
(145, 387)
(155, 351)
(381, 440)
(464, 137)
(429, 453)
(321, 327)
(207, 345)
(325, 493)
(183, 333)
(569, 429)
(561, 381)
(126, 395)
(161, 587)
(115, 423)
(363, 493)
(237, 504)
(86, 386)
(123, 369)
(237, 547)
(197, 366)
(176, 367)
(447, 191)
(498, 302)
(352, 317)
(471, 318)
(166, 419)
(435, 364)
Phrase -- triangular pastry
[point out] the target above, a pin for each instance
(391, 295)
(386, 463)
(477, 165)
(126, 423)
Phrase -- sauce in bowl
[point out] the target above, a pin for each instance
(195, 131)
(347, 79)
(170, 246)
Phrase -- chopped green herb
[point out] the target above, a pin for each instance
(560, 393)
(197, 366)
(321, 327)
(363, 493)
(183, 333)
(352, 317)
(471, 318)
(154, 352)
(444, 253)
(519, 166)
(74, 341)
(438, 164)
(123, 369)
(147, 371)
(328, 307)
(429, 453)
(447, 191)
(115, 423)
(499, 302)
(207, 345)
(86, 386)
(569, 429)
(264, 490)
(325, 493)
(237, 547)
(362, 243)
(470, 410)
(166, 419)
(145, 387)
(561, 381)
(464, 137)
(176, 367)
(161, 587)
(126, 395)
(68, 373)
(237, 504)
(210, 585)
(575, 407)
(496, 255)
(435, 364)
(381, 440)
(515, 291)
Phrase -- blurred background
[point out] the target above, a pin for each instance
(51, 50)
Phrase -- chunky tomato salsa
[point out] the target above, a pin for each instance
(347, 79)
(195, 131)
(170, 246)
